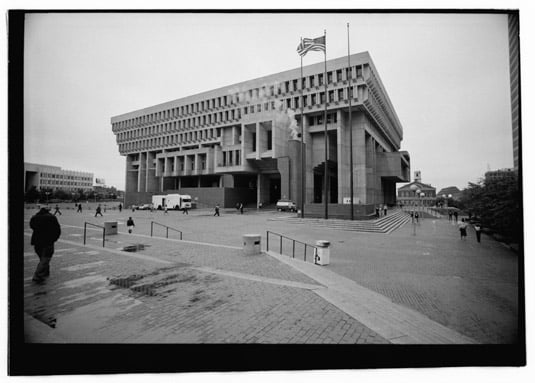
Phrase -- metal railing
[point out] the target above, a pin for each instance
(166, 231)
(293, 244)
(101, 227)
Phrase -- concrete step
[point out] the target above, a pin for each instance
(382, 225)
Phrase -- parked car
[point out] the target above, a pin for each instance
(286, 205)
(145, 206)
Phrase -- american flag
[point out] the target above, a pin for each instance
(317, 44)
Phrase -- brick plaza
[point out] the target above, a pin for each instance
(378, 288)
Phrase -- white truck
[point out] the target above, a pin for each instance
(159, 201)
(178, 201)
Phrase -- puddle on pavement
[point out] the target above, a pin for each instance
(135, 247)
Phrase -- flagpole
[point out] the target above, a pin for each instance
(350, 94)
(325, 178)
(302, 146)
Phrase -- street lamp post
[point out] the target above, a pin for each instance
(422, 195)
(415, 189)
(47, 193)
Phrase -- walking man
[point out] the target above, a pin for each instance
(462, 228)
(165, 209)
(216, 210)
(120, 207)
(449, 215)
(185, 210)
(99, 211)
(477, 228)
(241, 208)
(456, 215)
(57, 210)
(377, 211)
(130, 224)
(79, 208)
(385, 208)
(46, 231)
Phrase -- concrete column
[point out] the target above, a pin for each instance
(142, 176)
(342, 135)
(359, 158)
(257, 140)
(309, 173)
(152, 184)
(132, 176)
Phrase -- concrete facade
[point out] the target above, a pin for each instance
(46, 177)
(245, 136)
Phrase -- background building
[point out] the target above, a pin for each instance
(45, 177)
(240, 143)
(500, 173)
(514, 73)
(408, 196)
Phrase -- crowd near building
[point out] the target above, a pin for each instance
(46, 177)
(241, 143)
(417, 193)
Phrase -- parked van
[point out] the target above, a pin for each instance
(158, 201)
(178, 201)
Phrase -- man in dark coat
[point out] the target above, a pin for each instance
(46, 231)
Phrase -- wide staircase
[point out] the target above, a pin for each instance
(384, 225)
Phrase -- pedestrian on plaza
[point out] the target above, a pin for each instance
(105, 206)
(120, 207)
(449, 215)
(456, 215)
(462, 228)
(376, 211)
(477, 228)
(416, 216)
(57, 210)
(241, 208)
(385, 208)
(133, 208)
(237, 206)
(185, 210)
(165, 211)
(46, 231)
(216, 210)
(79, 210)
(99, 211)
(130, 225)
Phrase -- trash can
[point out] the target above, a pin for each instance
(111, 227)
(323, 253)
(251, 244)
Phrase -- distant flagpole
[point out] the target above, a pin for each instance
(302, 146)
(350, 94)
(325, 177)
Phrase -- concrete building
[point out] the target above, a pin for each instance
(408, 196)
(514, 75)
(55, 178)
(240, 143)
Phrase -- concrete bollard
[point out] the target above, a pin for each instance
(323, 253)
(111, 227)
(251, 244)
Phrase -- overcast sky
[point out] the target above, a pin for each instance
(447, 76)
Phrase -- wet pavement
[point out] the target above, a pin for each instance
(141, 289)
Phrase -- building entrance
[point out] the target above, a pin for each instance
(274, 189)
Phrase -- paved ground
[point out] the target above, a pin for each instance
(188, 292)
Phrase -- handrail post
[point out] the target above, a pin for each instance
(166, 232)
(305, 252)
(293, 249)
(267, 240)
(151, 226)
(85, 229)
(280, 248)
(103, 236)
(181, 236)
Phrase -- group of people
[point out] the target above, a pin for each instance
(381, 209)
(463, 226)
(453, 215)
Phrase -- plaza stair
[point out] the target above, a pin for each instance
(383, 225)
